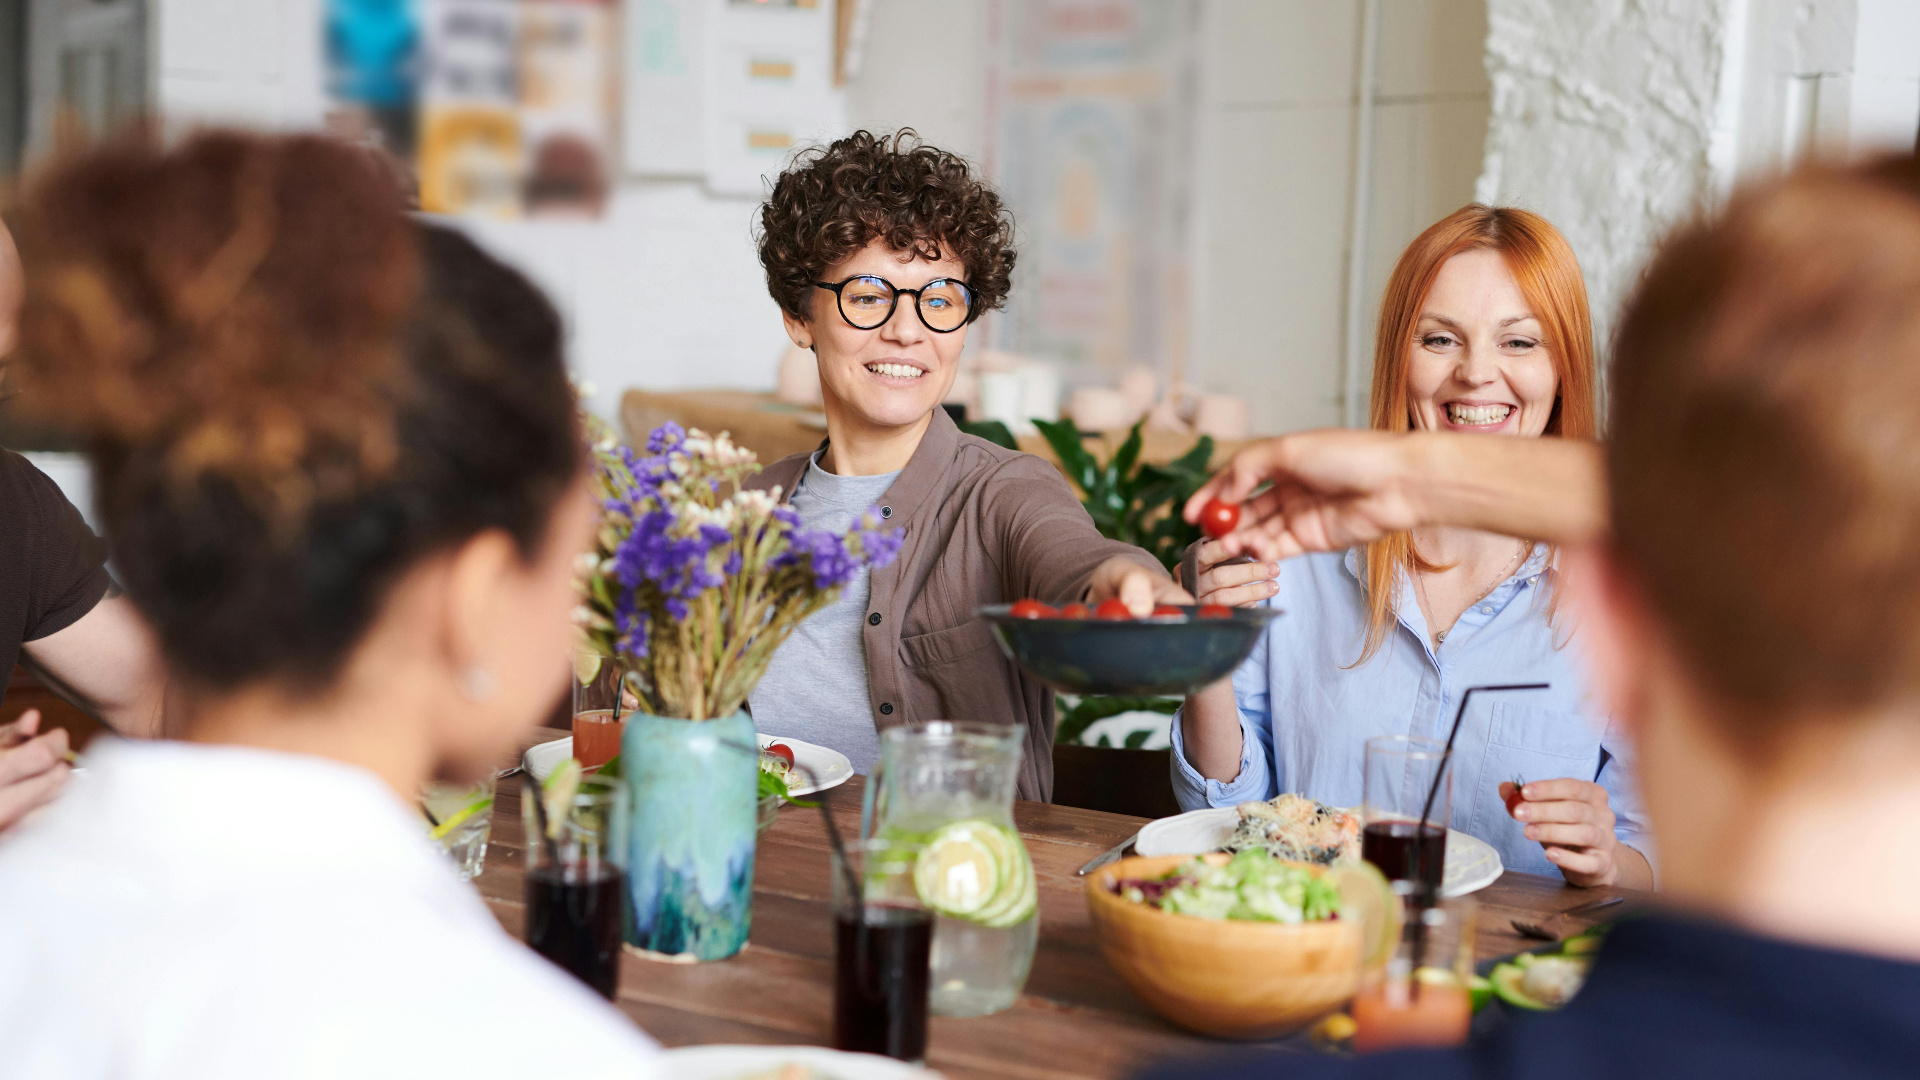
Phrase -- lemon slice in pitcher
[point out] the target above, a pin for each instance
(1366, 896)
(962, 869)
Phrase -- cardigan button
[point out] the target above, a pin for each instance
(886, 708)
(873, 619)
(886, 511)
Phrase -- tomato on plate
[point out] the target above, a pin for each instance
(1112, 611)
(1076, 611)
(1219, 517)
(1167, 609)
(781, 751)
(1032, 609)
(1215, 611)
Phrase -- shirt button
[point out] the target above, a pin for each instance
(886, 511)
(1486, 611)
(886, 708)
(1534, 580)
(873, 619)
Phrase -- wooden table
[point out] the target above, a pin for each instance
(1076, 1019)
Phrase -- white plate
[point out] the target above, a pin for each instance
(751, 1062)
(1472, 863)
(830, 767)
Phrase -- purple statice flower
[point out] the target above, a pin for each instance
(877, 546)
(677, 568)
(665, 437)
(825, 554)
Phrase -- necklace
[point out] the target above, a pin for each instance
(1420, 582)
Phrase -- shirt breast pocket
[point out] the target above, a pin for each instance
(949, 646)
(1529, 743)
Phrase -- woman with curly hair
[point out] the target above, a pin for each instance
(881, 252)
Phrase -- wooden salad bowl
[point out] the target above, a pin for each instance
(1221, 977)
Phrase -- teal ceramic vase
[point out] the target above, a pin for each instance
(694, 786)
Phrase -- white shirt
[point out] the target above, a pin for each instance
(213, 912)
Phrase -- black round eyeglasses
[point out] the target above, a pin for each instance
(867, 302)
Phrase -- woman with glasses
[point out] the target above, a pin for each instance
(881, 252)
(1483, 330)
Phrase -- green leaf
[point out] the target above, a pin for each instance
(993, 431)
(1137, 739)
(1128, 455)
(1198, 458)
(1074, 722)
(1065, 440)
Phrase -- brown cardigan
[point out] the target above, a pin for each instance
(983, 525)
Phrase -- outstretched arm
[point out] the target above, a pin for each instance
(1336, 488)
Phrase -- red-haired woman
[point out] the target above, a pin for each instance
(1484, 328)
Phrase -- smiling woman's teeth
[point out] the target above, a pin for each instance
(896, 371)
(1477, 414)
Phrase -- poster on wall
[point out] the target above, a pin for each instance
(501, 108)
(1093, 106)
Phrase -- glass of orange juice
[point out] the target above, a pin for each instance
(1421, 996)
(600, 708)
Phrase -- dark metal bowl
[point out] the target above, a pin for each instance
(1164, 654)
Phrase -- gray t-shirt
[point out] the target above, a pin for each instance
(815, 687)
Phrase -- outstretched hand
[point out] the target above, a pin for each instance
(1329, 490)
(1125, 580)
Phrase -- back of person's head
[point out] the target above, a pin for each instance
(291, 392)
(1765, 445)
(1542, 264)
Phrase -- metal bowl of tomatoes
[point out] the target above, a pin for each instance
(1105, 650)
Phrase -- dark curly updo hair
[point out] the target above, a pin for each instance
(836, 200)
(291, 393)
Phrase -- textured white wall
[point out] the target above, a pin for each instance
(1603, 120)
(1617, 118)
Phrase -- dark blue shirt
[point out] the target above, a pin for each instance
(1673, 998)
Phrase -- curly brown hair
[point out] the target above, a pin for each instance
(837, 199)
(291, 393)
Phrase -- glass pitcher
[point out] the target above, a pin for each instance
(946, 788)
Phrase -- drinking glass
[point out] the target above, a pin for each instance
(577, 879)
(1421, 997)
(460, 818)
(1399, 773)
(883, 938)
(599, 714)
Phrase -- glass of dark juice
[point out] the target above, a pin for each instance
(1401, 834)
(577, 879)
(882, 940)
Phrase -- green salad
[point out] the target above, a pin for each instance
(1252, 885)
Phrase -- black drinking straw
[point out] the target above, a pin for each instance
(1425, 895)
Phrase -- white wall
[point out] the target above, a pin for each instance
(1276, 181)
(1617, 118)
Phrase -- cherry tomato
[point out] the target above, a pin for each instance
(1218, 518)
(1167, 609)
(781, 750)
(1112, 610)
(1514, 798)
(1076, 611)
(1215, 611)
(1032, 609)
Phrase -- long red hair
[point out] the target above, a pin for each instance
(1549, 277)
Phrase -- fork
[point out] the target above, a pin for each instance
(1549, 929)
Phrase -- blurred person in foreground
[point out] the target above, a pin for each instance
(1484, 329)
(55, 608)
(881, 253)
(1753, 613)
(338, 457)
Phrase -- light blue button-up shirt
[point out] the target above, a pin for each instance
(1306, 712)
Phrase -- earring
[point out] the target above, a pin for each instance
(478, 684)
(804, 344)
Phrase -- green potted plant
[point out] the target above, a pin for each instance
(1136, 502)
(693, 585)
